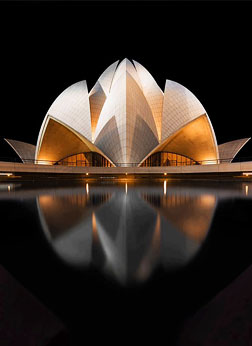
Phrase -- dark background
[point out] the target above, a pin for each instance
(46, 47)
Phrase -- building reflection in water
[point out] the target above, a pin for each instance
(67, 221)
(127, 231)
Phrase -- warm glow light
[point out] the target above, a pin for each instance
(247, 174)
(46, 201)
(8, 187)
(126, 188)
(246, 190)
(165, 173)
(209, 162)
(8, 174)
(86, 173)
(94, 228)
(44, 162)
(207, 200)
(165, 187)
(126, 173)
(87, 188)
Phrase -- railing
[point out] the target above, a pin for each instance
(122, 164)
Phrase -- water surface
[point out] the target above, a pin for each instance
(136, 258)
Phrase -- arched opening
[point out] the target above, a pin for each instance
(165, 158)
(88, 159)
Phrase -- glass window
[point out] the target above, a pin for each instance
(167, 159)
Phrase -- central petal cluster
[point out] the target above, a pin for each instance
(126, 130)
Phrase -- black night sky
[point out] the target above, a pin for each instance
(46, 47)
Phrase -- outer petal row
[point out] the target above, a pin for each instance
(229, 150)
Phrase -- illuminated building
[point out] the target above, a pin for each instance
(127, 120)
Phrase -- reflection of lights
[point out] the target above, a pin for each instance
(207, 200)
(165, 187)
(165, 173)
(126, 188)
(87, 188)
(152, 256)
(94, 227)
(247, 174)
(8, 174)
(86, 173)
(4, 187)
(126, 173)
(246, 190)
(46, 199)
(157, 234)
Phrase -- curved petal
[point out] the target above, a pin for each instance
(59, 141)
(229, 150)
(180, 107)
(99, 93)
(153, 94)
(25, 151)
(71, 107)
(195, 140)
(124, 66)
(97, 98)
(106, 78)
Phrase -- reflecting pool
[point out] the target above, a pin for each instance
(126, 231)
(125, 246)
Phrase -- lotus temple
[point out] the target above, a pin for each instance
(126, 120)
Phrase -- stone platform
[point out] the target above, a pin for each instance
(16, 168)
